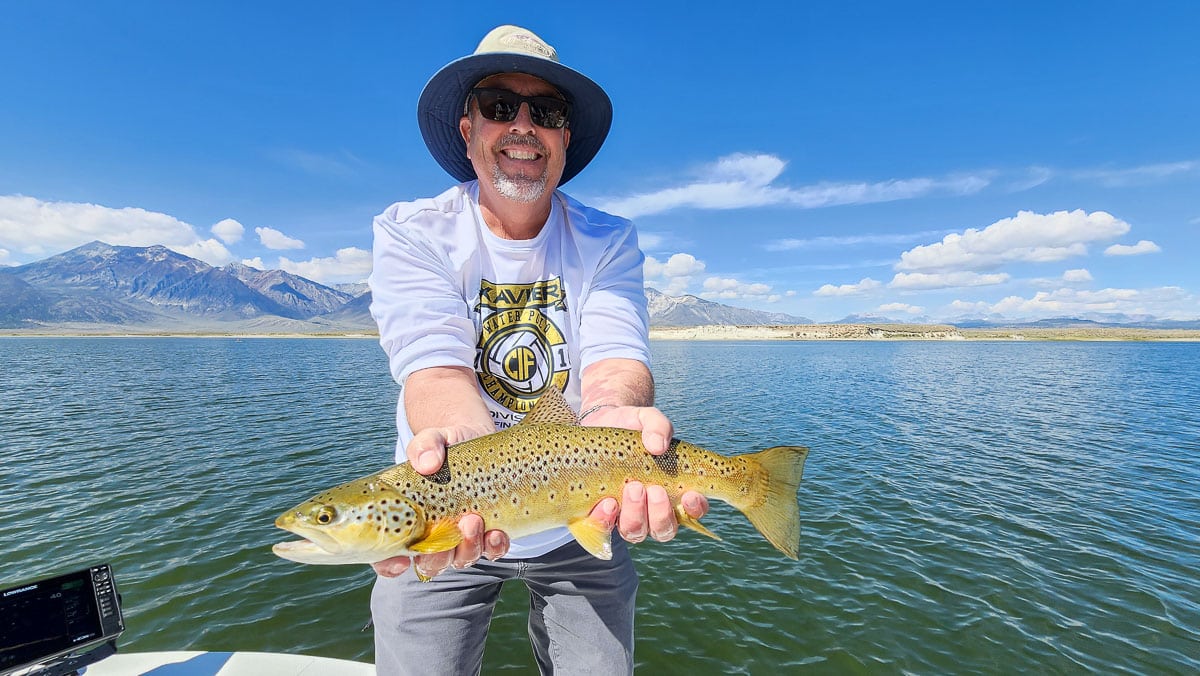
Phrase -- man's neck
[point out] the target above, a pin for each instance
(508, 219)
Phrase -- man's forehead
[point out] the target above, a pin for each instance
(521, 83)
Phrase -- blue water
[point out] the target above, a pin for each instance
(968, 507)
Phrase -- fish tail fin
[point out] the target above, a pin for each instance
(777, 515)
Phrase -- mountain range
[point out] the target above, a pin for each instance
(100, 287)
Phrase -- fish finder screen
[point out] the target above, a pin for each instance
(54, 617)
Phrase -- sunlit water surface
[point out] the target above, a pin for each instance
(967, 507)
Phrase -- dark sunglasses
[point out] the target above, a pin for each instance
(501, 105)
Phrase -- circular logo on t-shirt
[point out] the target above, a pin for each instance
(521, 348)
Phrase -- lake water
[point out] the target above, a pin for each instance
(967, 507)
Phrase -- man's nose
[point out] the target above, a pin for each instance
(524, 119)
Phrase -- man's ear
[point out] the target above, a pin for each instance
(464, 128)
(566, 136)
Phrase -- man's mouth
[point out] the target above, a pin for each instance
(523, 154)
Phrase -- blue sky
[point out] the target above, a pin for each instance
(920, 160)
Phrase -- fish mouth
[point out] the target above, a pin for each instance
(292, 548)
(311, 539)
(307, 551)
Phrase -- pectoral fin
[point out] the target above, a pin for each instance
(441, 536)
(596, 540)
(686, 519)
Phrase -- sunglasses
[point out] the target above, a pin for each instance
(501, 105)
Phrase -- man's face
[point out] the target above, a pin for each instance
(519, 159)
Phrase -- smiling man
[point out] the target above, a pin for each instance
(486, 296)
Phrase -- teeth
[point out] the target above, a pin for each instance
(521, 154)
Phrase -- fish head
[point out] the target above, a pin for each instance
(363, 521)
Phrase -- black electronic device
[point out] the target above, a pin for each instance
(59, 624)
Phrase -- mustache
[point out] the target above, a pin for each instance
(511, 139)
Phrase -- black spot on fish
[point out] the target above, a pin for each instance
(442, 476)
(669, 462)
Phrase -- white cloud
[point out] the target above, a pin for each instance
(1077, 275)
(1032, 178)
(944, 280)
(744, 180)
(725, 288)
(649, 241)
(276, 240)
(350, 264)
(901, 307)
(1110, 177)
(1166, 302)
(674, 276)
(1143, 247)
(338, 165)
(962, 307)
(1028, 237)
(256, 263)
(228, 231)
(4, 258)
(863, 286)
(37, 229)
(849, 240)
(1148, 173)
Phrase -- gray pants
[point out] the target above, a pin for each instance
(580, 614)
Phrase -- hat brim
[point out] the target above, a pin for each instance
(440, 108)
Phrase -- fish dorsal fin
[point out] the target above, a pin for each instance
(552, 407)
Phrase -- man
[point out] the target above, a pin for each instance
(485, 296)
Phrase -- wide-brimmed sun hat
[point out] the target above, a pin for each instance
(510, 49)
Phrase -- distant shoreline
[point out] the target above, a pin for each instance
(799, 332)
(918, 332)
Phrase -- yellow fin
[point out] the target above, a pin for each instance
(442, 535)
(686, 519)
(593, 538)
(552, 407)
(777, 517)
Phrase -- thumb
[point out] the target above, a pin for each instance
(427, 451)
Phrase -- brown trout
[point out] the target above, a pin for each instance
(547, 471)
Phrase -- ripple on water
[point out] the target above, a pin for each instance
(966, 508)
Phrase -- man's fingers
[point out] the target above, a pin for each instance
(604, 514)
(495, 544)
(471, 548)
(695, 504)
(427, 451)
(660, 514)
(632, 524)
(656, 430)
(393, 567)
(429, 565)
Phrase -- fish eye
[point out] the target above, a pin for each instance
(325, 516)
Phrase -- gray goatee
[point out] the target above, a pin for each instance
(519, 188)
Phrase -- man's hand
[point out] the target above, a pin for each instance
(426, 453)
(644, 510)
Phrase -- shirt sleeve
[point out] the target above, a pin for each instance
(614, 321)
(417, 300)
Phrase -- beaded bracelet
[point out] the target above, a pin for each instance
(595, 408)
